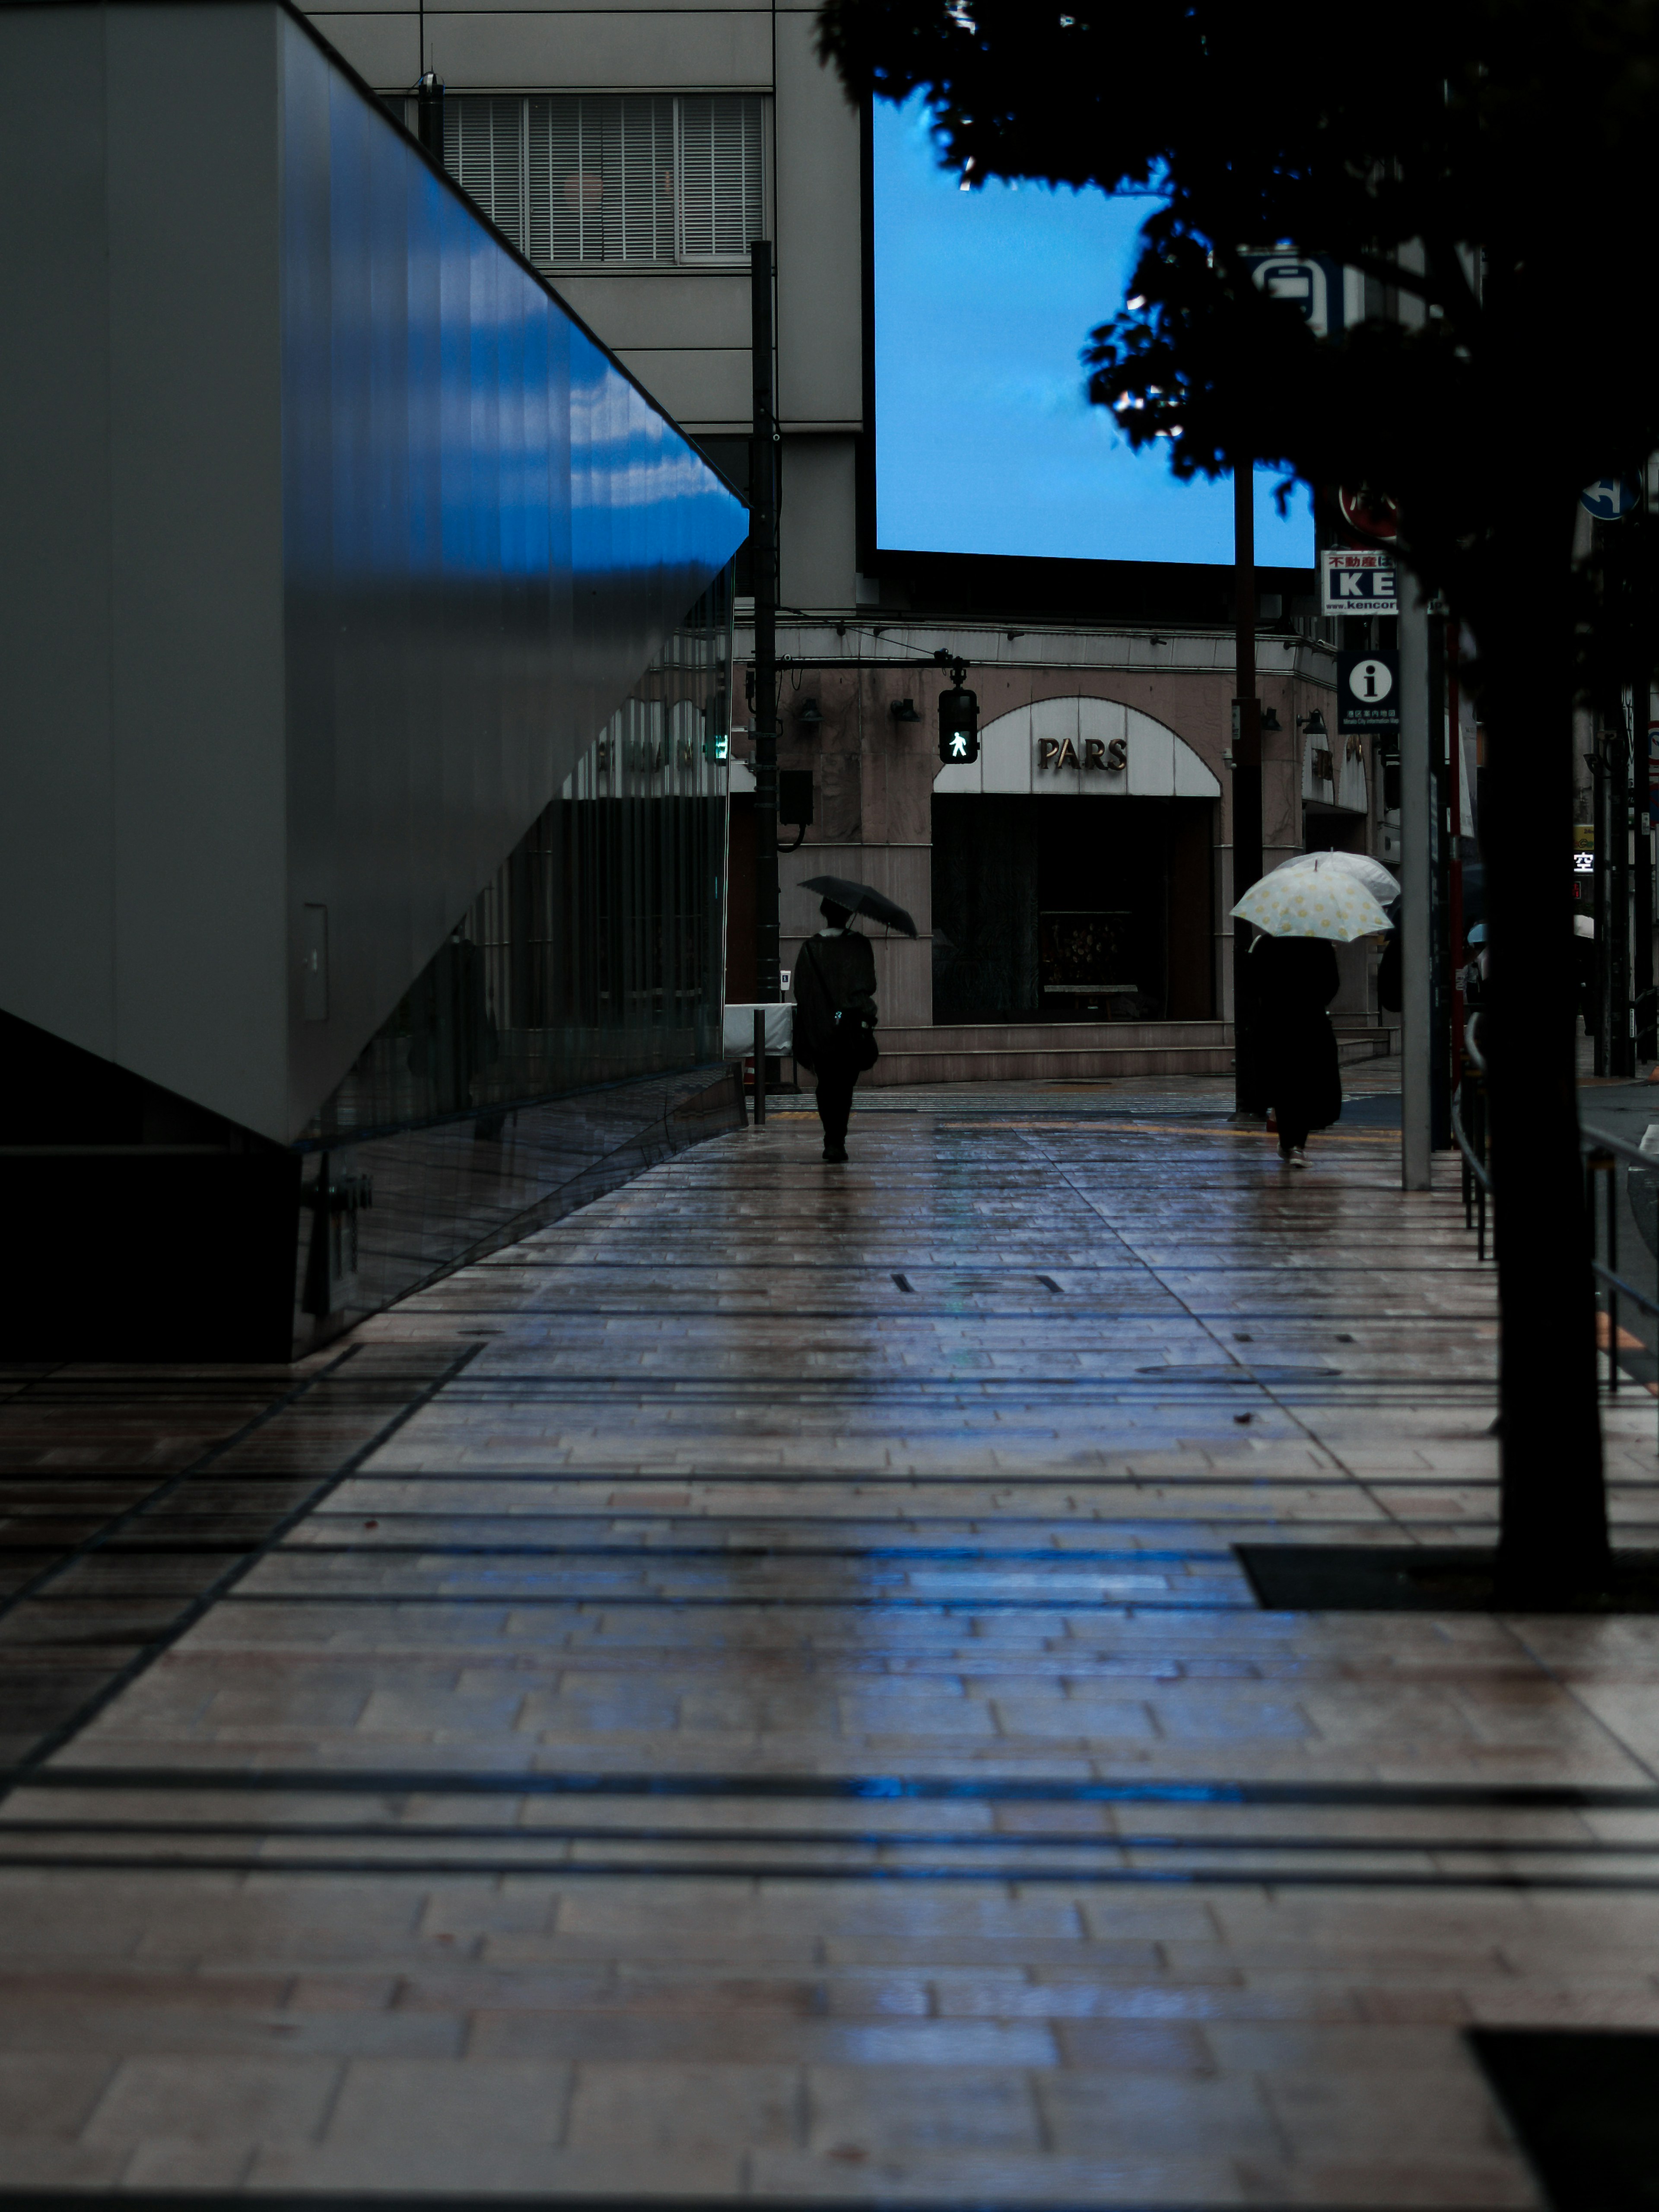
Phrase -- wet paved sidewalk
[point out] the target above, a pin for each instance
(774, 1710)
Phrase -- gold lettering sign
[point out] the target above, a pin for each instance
(1110, 755)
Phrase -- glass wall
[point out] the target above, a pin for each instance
(595, 952)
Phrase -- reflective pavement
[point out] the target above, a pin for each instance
(750, 1692)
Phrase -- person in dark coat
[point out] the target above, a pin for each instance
(834, 991)
(1296, 979)
(1388, 992)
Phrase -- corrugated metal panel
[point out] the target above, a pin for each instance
(373, 543)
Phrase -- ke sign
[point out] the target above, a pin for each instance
(1355, 583)
(1368, 694)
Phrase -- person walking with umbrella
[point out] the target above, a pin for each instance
(1302, 912)
(835, 994)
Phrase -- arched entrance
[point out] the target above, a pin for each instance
(1074, 912)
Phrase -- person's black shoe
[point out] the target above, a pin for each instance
(836, 1152)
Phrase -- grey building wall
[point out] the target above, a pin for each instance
(331, 542)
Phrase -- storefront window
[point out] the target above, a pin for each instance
(594, 954)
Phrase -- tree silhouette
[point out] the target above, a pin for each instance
(1488, 165)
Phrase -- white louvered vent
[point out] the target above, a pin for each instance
(721, 200)
(612, 177)
(483, 151)
(647, 162)
(602, 178)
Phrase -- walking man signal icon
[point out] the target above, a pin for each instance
(958, 723)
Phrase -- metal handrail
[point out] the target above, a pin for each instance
(1603, 1153)
(1625, 1290)
(1600, 1154)
(1595, 1142)
(1479, 1167)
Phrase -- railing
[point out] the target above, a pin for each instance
(1608, 1199)
(1602, 1155)
(1471, 1143)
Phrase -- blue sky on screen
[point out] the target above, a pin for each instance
(985, 439)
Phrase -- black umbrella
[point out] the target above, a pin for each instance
(859, 898)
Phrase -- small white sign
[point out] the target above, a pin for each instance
(738, 1030)
(1357, 583)
(1312, 286)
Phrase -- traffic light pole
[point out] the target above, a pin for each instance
(1621, 1036)
(1416, 923)
(1442, 844)
(1247, 784)
(429, 110)
(1641, 981)
(763, 539)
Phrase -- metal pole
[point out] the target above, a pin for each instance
(1416, 978)
(1246, 783)
(1612, 1269)
(429, 108)
(1622, 1045)
(1455, 808)
(1601, 904)
(759, 1065)
(1641, 811)
(764, 541)
(1441, 1071)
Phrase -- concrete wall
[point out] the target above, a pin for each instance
(874, 778)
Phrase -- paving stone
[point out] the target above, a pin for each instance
(885, 1579)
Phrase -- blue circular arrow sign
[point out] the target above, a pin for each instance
(1610, 498)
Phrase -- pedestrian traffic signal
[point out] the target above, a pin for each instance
(958, 726)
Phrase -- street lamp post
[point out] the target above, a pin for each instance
(1416, 923)
(1247, 781)
(762, 530)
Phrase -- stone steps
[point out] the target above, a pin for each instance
(1074, 1052)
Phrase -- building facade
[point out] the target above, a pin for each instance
(365, 681)
(633, 152)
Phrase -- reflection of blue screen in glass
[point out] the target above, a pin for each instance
(986, 441)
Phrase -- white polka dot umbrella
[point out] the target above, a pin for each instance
(1328, 902)
(1382, 887)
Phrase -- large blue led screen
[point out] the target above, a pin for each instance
(986, 441)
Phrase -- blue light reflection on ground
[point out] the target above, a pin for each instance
(985, 439)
